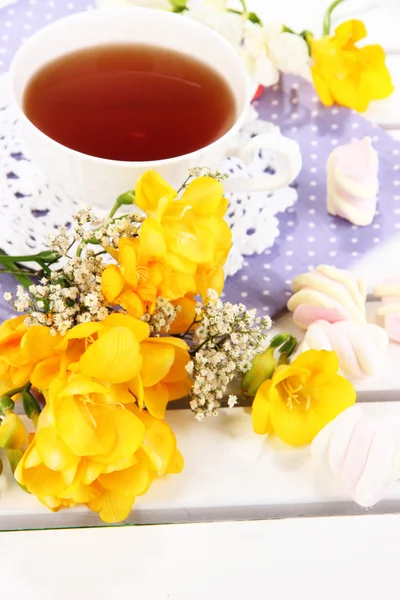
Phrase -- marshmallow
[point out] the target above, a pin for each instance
(352, 182)
(360, 348)
(389, 313)
(363, 459)
(327, 294)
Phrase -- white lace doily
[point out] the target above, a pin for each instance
(29, 211)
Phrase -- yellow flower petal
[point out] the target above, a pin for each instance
(152, 238)
(178, 389)
(131, 303)
(203, 195)
(121, 488)
(177, 463)
(80, 385)
(157, 361)
(84, 427)
(137, 390)
(40, 480)
(350, 32)
(178, 371)
(156, 399)
(159, 443)
(150, 187)
(38, 343)
(114, 356)
(44, 372)
(180, 263)
(53, 452)
(84, 330)
(112, 283)
(12, 432)
(129, 431)
(12, 330)
(185, 317)
(140, 329)
(316, 361)
(261, 411)
(127, 260)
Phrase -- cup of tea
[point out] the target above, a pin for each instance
(105, 95)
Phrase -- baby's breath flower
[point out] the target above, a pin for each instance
(163, 315)
(226, 341)
(206, 172)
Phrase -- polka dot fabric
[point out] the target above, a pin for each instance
(309, 236)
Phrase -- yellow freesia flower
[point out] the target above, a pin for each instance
(21, 350)
(301, 398)
(121, 352)
(188, 233)
(346, 74)
(88, 449)
(117, 353)
(138, 279)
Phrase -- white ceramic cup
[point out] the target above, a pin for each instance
(98, 181)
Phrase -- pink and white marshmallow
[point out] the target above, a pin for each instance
(327, 294)
(362, 458)
(352, 182)
(360, 349)
(389, 313)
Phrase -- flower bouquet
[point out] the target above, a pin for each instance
(120, 318)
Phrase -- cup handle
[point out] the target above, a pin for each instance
(287, 157)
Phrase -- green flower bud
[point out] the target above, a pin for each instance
(31, 406)
(262, 368)
(6, 404)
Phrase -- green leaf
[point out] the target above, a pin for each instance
(178, 6)
(254, 18)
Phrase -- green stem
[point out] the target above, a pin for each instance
(24, 280)
(14, 391)
(47, 256)
(328, 15)
(243, 3)
(127, 198)
(184, 184)
(287, 29)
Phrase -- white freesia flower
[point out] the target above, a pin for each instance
(268, 50)
(290, 54)
(213, 13)
(162, 4)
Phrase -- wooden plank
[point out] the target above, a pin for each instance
(350, 559)
(230, 474)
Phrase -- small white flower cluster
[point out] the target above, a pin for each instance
(61, 242)
(71, 296)
(207, 172)
(225, 342)
(106, 232)
(163, 315)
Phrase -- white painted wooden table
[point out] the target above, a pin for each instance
(232, 475)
